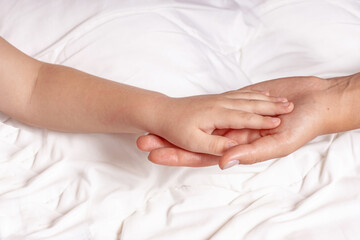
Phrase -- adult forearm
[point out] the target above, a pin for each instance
(66, 99)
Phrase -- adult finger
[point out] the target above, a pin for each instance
(262, 149)
(201, 143)
(149, 142)
(164, 153)
(180, 157)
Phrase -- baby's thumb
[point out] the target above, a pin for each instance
(212, 144)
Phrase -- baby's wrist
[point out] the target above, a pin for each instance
(153, 113)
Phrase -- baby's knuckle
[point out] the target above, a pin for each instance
(249, 117)
(215, 105)
(211, 108)
(214, 146)
(219, 100)
(266, 120)
(189, 140)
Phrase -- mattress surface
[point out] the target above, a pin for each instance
(59, 186)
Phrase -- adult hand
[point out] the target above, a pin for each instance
(313, 114)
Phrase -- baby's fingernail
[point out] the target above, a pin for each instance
(285, 104)
(281, 99)
(231, 164)
(231, 144)
(275, 120)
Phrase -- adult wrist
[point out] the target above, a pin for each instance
(342, 103)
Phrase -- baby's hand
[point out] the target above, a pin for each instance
(189, 122)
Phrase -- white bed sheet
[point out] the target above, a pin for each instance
(99, 186)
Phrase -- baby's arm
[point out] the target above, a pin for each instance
(65, 99)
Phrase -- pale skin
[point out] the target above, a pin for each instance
(322, 106)
(65, 99)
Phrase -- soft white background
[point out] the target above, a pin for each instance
(94, 186)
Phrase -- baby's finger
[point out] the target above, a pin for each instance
(248, 91)
(202, 142)
(261, 107)
(267, 93)
(244, 136)
(254, 96)
(238, 120)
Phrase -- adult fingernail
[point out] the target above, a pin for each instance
(231, 144)
(231, 164)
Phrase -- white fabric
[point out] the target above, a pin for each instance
(58, 186)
